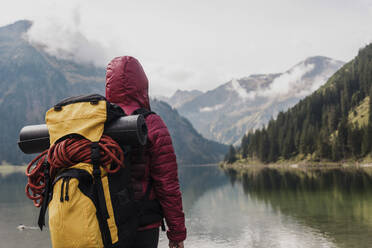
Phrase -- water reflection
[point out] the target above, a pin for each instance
(12, 188)
(265, 208)
(16, 209)
(226, 217)
(268, 179)
(337, 202)
(196, 180)
(220, 214)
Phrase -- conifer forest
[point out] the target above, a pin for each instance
(332, 124)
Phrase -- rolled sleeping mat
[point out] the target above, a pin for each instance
(127, 130)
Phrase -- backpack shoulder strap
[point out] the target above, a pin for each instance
(146, 197)
(144, 112)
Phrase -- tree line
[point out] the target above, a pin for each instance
(319, 126)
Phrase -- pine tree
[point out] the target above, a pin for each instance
(324, 149)
(336, 149)
(231, 156)
(354, 140)
(245, 145)
(342, 137)
(264, 147)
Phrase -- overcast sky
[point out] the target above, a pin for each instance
(197, 44)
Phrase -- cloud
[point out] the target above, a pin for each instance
(64, 38)
(297, 82)
(165, 79)
(209, 46)
(174, 73)
(290, 83)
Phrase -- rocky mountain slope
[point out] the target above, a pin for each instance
(180, 97)
(226, 113)
(31, 81)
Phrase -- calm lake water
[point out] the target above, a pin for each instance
(266, 208)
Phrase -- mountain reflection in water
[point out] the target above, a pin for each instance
(265, 208)
(337, 202)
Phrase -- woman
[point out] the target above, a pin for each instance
(154, 171)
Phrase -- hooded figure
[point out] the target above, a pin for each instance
(127, 86)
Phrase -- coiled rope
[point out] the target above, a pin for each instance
(66, 154)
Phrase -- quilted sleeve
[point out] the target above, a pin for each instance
(163, 170)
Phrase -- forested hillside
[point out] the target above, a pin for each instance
(334, 123)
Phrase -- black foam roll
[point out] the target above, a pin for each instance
(127, 131)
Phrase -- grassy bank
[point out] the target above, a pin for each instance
(251, 165)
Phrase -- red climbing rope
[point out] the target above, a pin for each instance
(68, 153)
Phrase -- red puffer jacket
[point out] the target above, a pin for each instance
(127, 86)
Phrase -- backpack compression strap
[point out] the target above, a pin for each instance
(102, 213)
(46, 193)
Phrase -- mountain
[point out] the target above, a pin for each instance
(180, 97)
(226, 113)
(31, 81)
(189, 145)
(332, 124)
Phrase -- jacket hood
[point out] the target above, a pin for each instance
(127, 84)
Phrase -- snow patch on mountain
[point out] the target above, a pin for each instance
(209, 109)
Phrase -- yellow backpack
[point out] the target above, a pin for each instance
(88, 207)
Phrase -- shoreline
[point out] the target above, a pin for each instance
(241, 166)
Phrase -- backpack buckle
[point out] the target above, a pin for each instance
(94, 102)
(57, 108)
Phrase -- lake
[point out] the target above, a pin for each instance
(264, 208)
